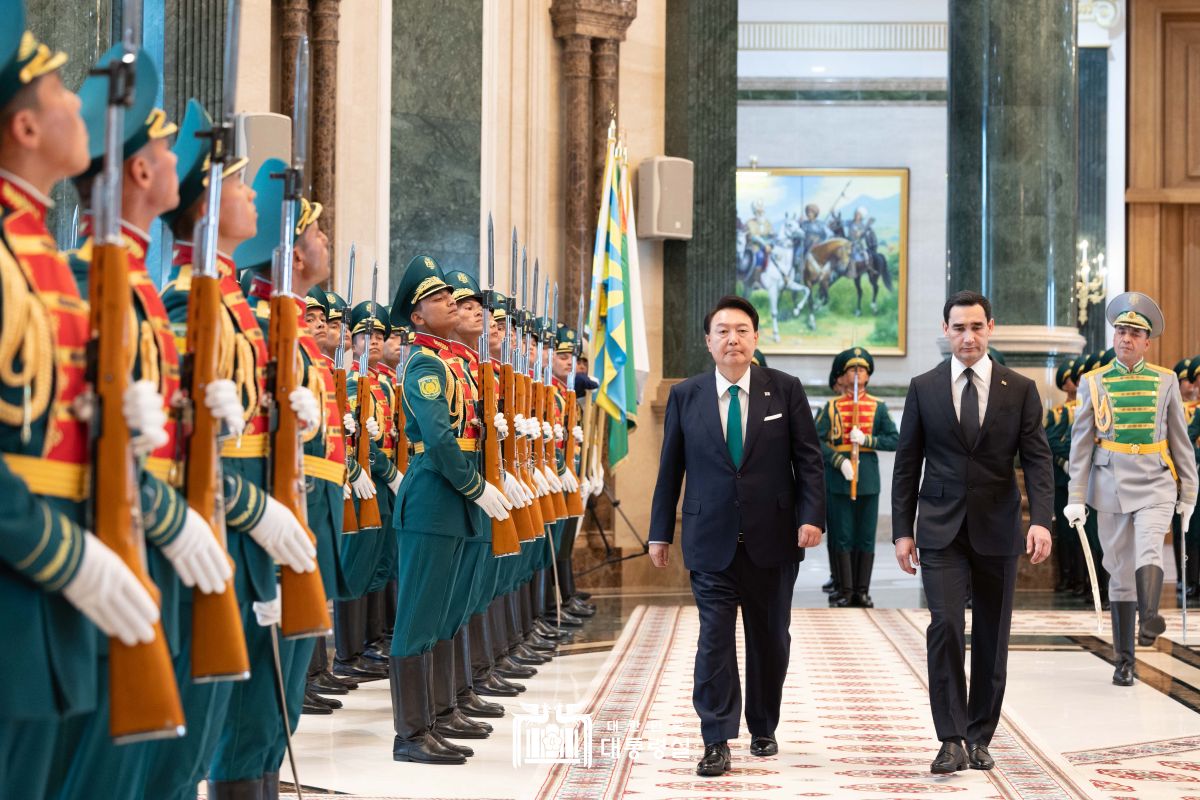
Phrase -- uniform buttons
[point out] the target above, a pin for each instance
(739, 474)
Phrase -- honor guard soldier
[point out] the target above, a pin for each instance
(59, 581)
(335, 306)
(1132, 461)
(1067, 548)
(443, 501)
(185, 548)
(830, 587)
(855, 422)
(566, 341)
(1192, 537)
(260, 530)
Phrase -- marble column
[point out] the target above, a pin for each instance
(605, 81)
(293, 23)
(577, 128)
(701, 125)
(1011, 167)
(324, 109)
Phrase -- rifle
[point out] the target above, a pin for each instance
(141, 682)
(574, 499)
(218, 642)
(549, 391)
(505, 541)
(537, 400)
(305, 611)
(401, 459)
(349, 516)
(508, 390)
(524, 447)
(368, 509)
(854, 446)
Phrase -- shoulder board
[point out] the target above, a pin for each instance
(1158, 368)
(1098, 371)
(182, 282)
(82, 254)
(262, 310)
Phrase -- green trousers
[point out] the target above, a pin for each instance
(295, 655)
(852, 522)
(428, 564)
(468, 578)
(26, 754)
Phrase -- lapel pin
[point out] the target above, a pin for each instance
(766, 394)
(1003, 382)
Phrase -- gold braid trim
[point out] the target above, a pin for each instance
(244, 376)
(24, 337)
(148, 352)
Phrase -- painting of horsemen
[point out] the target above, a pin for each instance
(823, 255)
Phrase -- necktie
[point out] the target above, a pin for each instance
(968, 409)
(733, 427)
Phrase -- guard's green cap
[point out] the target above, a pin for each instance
(1193, 368)
(854, 357)
(360, 318)
(1135, 310)
(1181, 368)
(465, 287)
(565, 339)
(758, 358)
(1064, 371)
(316, 299)
(336, 306)
(996, 355)
(1085, 364)
(143, 121)
(1107, 357)
(257, 253)
(500, 312)
(422, 278)
(192, 151)
(23, 58)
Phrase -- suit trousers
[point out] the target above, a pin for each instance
(764, 595)
(949, 574)
(1131, 541)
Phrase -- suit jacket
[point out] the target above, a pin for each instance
(779, 485)
(1119, 483)
(978, 484)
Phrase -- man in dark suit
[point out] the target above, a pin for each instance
(966, 421)
(744, 435)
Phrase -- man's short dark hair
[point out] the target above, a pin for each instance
(966, 298)
(732, 301)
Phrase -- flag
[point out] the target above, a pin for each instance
(618, 349)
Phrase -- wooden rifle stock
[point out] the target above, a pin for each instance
(574, 499)
(141, 679)
(525, 459)
(304, 609)
(401, 434)
(218, 642)
(538, 412)
(524, 522)
(560, 503)
(504, 532)
(349, 516)
(368, 508)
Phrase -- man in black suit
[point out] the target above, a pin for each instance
(755, 499)
(966, 421)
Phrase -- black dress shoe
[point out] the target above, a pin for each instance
(325, 684)
(492, 685)
(360, 671)
(950, 759)
(764, 746)
(827, 586)
(508, 668)
(424, 749)
(565, 620)
(375, 653)
(979, 756)
(530, 658)
(715, 761)
(327, 677)
(1123, 674)
(862, 600)
(461, 749)
(580, 608)
(583, 595)
(473, 705)
(538, 643)
(455, 725)
(314, 708)
(317, 699)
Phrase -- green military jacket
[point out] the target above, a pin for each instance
(833, 429)
(1058, 433)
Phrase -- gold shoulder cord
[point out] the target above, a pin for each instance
(1100, 409)
(835, 422)
(25, 338)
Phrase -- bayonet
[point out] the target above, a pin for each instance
(362, 359)
(489, 298)
(339, 354)
(292, 177)
(577, 348)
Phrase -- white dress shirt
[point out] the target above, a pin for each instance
(723, 385)
(983, 383)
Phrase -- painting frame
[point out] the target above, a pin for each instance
(879, 283)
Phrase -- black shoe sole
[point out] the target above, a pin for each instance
(422, 760)
(711, 773)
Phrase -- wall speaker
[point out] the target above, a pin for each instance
(260, 136)
(665, 198)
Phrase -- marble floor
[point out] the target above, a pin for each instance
(855, 724)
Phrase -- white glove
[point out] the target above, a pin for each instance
(221, 397)
(857, 436)
(558, 433)
(269, 612)
(110, 595)
(142, 407)
(585, 488)
(349, 426)
(364, 486)
(304, 404)
(1184, 510)
(519, 424)
(493, 502)
(394, 483)
(373, 429)
(501, 423)
(547, 432)
(552, 479)
(540, 484)
(569, 482)
(284, 538)
(514, 491)
(347, 493)
(597, 482)
(1075, 512)
(197, 558)
(847, 470)
(531, 428)
(577, 432)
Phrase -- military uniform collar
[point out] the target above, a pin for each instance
(1124, 370)
(464, 351)
(19, 194)
(562, 385)
(431, 341)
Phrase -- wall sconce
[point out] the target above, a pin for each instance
(1090, 281)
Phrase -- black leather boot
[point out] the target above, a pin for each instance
(349, 620)
(472, 705)
(540, 644)
(1149, 581)
(411, 717)
(236, 790)
(513, 623)
(492, 685)
(527, 657)
(325, 683)
(864, 562)
(270, 785)
(479, 638)
(1123, 616)
(507, 668)
(579, 608)
(845, 580)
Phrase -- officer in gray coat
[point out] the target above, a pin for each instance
(1132, 461)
